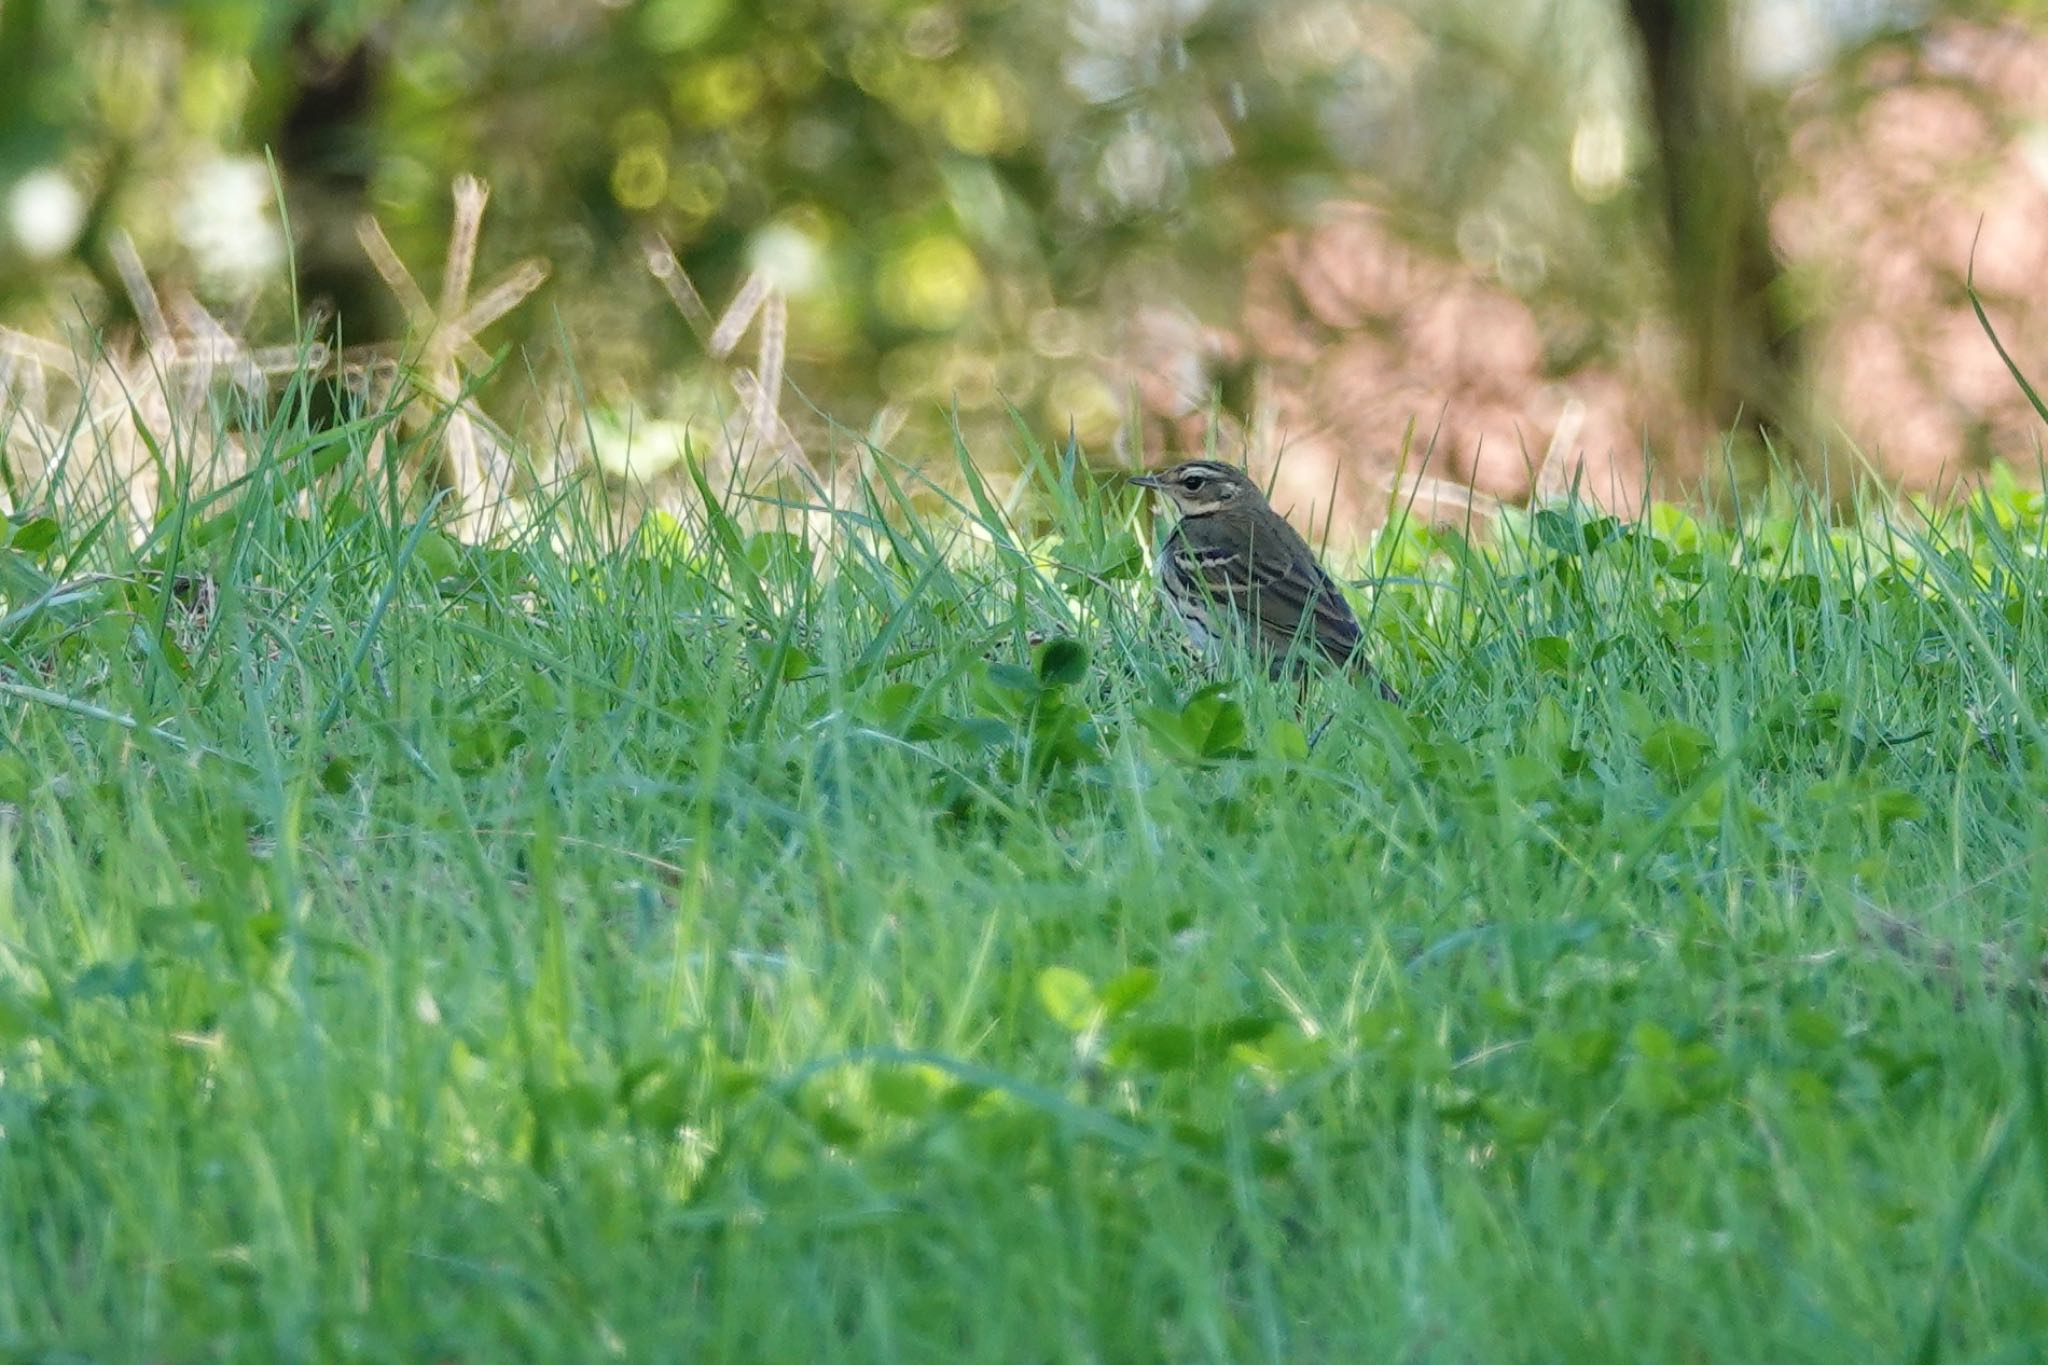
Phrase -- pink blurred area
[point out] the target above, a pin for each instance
(1900, 170)
(1924, 167)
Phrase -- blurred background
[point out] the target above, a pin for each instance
(1603, 242)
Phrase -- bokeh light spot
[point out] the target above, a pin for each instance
(638, 126)
(1081, 400)
(980, 114)
(640, 176)
(1599, 156)
(45, 212)
(719, 92)
(672, 25)
(698, 189)
(225, 222)
(931, 283)
(791, 258)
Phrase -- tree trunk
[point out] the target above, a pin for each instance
(326, 146)
(1746, 354)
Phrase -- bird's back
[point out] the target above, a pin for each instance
(1268, 578)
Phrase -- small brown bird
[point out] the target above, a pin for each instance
(1233, 569)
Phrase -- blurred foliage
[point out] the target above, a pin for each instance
(961, 199)
(926, 182)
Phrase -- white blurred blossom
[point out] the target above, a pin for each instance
(1135, 169)
(45, 213)
(633, 446)
(1123, 46)
(225, 222)
(1784, 41)
(790, 258)
(1599, 160)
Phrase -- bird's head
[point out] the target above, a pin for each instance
(1201, 488)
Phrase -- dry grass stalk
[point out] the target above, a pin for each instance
(116, 425)
(762, 309)
(478, 461)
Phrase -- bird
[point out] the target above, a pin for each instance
(1232, 569)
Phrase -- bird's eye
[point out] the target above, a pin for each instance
(1193, 483)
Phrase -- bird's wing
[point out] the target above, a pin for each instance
(1301, 590)
(1278, 590)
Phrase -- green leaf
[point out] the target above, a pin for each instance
(1528, 778)
(1636, 714)
(907, 1092)
(1156, 1047)
(835, 1128)
(776, 554)
(1214, 723)
(1286, 1051)
(1803, 590)
(439, 555)
(736, 1082)
(1599, 531)
(575, 1104)
(1068, 997)
(1127, 990)
(976, 732)
(1710, 643)
(337, 775)
(892, 703)
(1884, 806)
(1287, 742)
(1676, 751)
(1061, 662)
(1688, 567)
(784, 662)
(1653, 1042)
(1559, 532)
(174, 657)
(1246, 1028)
(16, 779)
(1550, 728)
(663, 1103)
(1893, 804)
(1170, 730)
(1813, 1028)
(20, 580)
(35, 535)
(20, 1015)
(1551, 653)
(1208, 727)
(1013, 678)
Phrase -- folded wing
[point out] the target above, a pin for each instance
(1285, 596)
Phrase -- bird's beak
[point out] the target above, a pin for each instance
(1145, 481)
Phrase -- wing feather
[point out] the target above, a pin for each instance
(1275, 589)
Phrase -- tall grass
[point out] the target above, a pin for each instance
(862, 933)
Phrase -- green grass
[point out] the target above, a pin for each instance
(417, 952)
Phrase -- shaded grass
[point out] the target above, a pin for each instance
(419, 951)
